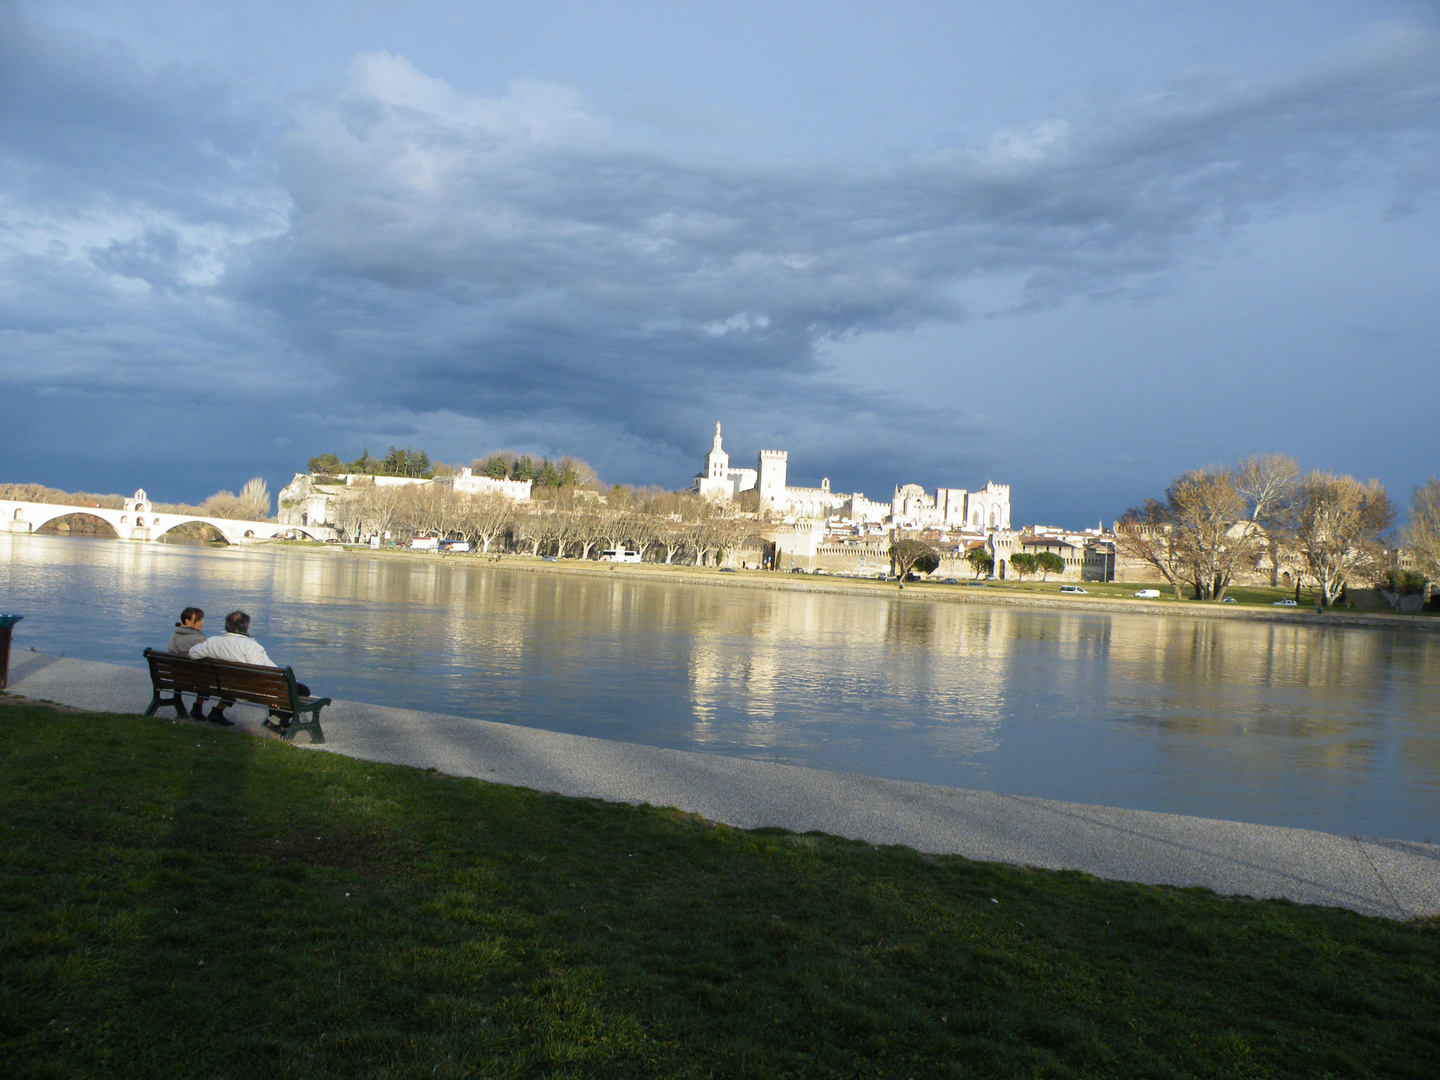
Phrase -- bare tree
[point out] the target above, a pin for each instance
(674, 534)
(429, 509)
(1203, 506)
(223, 504)
(484, 517)
(1422, 536)
(1146, 533)
(641, 529)
(559, 526)
(1338, 525)
(1267, 483)
(379, 506)
(530, 528)
(350, 514)
(613, 526)
(589, 530)
(255, 499)
(1210, 523)
(705, 529)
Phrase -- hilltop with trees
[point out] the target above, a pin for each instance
(566, 472)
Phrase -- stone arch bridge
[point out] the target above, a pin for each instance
(137, 520)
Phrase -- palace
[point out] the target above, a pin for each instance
(952, 509)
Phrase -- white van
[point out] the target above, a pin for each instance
(619, 555)
(1072, 588)
(425, 543)
(1148, 594)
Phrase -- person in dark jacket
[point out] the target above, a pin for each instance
(189, 632)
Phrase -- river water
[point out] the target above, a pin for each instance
(1317, 727)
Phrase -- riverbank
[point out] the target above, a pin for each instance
(182, 901)
(990, 593)
(1392, 878)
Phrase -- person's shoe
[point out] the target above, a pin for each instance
(197, 711)
(217, 716)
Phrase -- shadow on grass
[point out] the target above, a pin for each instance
(180, 902)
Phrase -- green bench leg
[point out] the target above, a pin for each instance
(312, 725)
(175, 701)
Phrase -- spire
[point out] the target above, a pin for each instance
(717, 435)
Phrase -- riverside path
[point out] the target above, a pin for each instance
(1395, 879)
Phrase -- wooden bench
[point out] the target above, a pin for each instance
(271, 687)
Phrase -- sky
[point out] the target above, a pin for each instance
(1077, 248)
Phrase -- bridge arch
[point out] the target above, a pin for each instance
(52, 522)
(191, 521)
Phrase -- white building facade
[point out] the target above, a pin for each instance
(719, 480)
(979, 512)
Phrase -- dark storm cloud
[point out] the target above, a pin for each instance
(411, 250)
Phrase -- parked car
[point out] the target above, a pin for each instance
(548, 558)
(1072, 588)
(950, 581)
(1283, 603)
(1229, 600)
(797, 570)
(1148, 594)
(727, 570)
(978, 584)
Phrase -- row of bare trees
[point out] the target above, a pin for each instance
(1215, 522)
(662, 526)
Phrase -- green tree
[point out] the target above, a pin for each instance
(524, 468)
(494, 465)
(1022, 564)
(1403, 582)
(1047, 563)
(981, 561)
(325, 465)
(548, 476)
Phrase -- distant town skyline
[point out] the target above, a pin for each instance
(1075, 250)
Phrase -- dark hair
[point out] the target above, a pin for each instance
(237, 622)
(190, 614)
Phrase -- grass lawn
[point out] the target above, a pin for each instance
(184, 902)
(1253, 595)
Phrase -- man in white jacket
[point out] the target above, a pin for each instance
(237, 646)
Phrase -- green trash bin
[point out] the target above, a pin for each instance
(6, 622)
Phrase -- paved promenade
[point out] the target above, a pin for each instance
(1391, 878)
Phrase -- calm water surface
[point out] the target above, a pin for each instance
(1321, 727)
